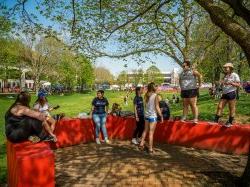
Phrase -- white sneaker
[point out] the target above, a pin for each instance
(107, 141)
(228, 124)
(97, 141)
(195, 121)
(183, 119)
(134, 141)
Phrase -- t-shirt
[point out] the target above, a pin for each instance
(150, 111)
(99, 105)
(138, 102)
(43, 109)
(233, 77)
(188, 80)
(165, 110)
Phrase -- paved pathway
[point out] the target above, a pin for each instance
(122, 164)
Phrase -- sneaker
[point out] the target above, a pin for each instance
(138, 140)
(34, 139)
(97, 141)
(195, 121)
(183, 119)
(107, 141)
(228, 124)
(134, 141)
(50, 138)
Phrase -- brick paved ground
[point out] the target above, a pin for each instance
(122, 164)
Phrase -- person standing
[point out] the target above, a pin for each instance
(99, 114)
(189, 90)
(151, 110)
(139, 115)
(230, 84)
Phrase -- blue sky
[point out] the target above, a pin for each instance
(164, 63)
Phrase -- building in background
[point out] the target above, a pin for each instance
(170, 78)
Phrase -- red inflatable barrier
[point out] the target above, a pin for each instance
(235, 139)
(33, 164)
(30, 164)
(123, 128)
(73, 132)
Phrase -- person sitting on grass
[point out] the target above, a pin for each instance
(229, 86)
(23, 123)
(99, 114)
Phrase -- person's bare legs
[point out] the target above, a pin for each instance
(48, 129)
(144, 134)
(194, 108)
(231, 104)
(185, 108)
(221, 106)
(151, 135)
(52, 123)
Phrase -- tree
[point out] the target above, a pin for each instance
(41, 57)
(153, 74)
(122, 78)
(137, 76)
(239, 32)
(5, 27)
(11, 59)
(85, 72)
(103, 75)
(214, 49)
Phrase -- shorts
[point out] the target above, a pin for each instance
(229, 96)
(189, 93)
(151, 119)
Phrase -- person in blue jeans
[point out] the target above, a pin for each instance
(99, 114)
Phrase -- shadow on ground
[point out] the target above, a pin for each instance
(121, 163)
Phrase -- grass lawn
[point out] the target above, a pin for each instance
(73, 104)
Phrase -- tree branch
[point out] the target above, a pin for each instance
(74, 16)
(131, 20)
(239, 9)
(232, 28)
(156, 11)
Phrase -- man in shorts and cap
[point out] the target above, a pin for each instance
(230, 84)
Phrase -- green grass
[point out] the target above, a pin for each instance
(73, 104)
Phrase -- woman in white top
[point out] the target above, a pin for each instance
(229, 86)
(43, 106)
(151, 110)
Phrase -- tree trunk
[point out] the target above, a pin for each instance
(37, 83)
(228, 25)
